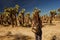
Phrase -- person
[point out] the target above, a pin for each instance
(37, 25)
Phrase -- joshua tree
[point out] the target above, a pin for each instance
(16, 8)
(27, 16)
(19, 19)
(52, 15)
(45, 18)
(5, 19)
(1, 18)
(37, 24)
(27, 19)
(13, 12)
(22, 15)
(59, 12)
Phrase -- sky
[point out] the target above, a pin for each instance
(29, 5)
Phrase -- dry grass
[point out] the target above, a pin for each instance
(23, 33)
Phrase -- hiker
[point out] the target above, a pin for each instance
(37, 25)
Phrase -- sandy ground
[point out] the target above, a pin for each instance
(10, 33)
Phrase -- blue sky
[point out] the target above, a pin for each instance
(29, 5)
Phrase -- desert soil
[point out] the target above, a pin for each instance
(14, 33)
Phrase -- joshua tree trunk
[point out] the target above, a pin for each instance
(16, 21)
(23, 18)
(51, 20)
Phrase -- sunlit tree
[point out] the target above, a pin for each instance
(27, 19)
(13, 11)
(52, 15)
(58, 9)
(22, 13)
